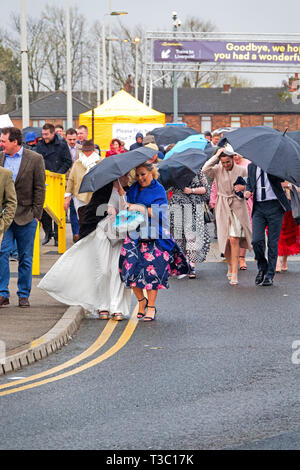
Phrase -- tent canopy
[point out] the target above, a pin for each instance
(121, 110)
(124, 106)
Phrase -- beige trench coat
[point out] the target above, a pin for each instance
(228, 202)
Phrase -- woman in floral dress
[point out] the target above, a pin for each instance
(187, 223)
(149, 255)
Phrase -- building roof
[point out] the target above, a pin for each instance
(237, 101)
(53, 105)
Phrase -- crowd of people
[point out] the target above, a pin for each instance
(103, 266)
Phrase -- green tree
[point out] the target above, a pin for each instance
(10, 73)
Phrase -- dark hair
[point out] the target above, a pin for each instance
(117, 140)
(222, 155)
(71, 131)
(88, 146)
(13, 134)
(59, 126)
(49, 127)
(207, 133)
(83, 127)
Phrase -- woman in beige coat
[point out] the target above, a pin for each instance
(88, 158)
(233, 223)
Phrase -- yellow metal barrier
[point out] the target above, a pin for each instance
(54, 206)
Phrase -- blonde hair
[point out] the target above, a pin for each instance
(150, 167)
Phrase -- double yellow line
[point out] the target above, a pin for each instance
(101, 340)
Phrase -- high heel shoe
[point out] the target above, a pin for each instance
(233, 281)
(103, 314)
(140, 314)
(148, 318)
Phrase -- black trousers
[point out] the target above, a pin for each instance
(266, 214)
(47, 224)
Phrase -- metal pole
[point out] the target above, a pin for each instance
(69, 67)
(81, 68)
(145, 71)
(175, 91)
(98, 73)
(104, 63)
(24, 59)
(136, 69)
(109, 53)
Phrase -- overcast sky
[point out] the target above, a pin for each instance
(261, 16)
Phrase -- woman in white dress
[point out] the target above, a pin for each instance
(88, 273)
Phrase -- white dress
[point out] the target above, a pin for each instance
(88, 273)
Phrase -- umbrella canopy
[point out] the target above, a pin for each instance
(179, 170)
(37, 130)
(171, 134)
(112, 168)
(268, 148)
(294, 135)
(194, 141)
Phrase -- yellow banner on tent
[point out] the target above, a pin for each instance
(122, 116)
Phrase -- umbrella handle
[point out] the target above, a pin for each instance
(285, 131)
(123, 196)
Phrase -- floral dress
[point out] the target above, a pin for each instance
(147, 263)
(187, 224)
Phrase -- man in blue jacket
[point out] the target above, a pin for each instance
(58, 159)
(138, 141)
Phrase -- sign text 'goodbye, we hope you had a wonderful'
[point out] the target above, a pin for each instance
(226, 51)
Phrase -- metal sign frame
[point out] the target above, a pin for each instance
(151, 67)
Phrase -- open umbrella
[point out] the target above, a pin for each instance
(268, 148)
(179, 170)
(295, 135)
(37, 130)
(171, 134)
(114, 167)
(194, 141)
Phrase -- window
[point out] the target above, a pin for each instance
(268, 121)
(205, 124)
(35, 123)
(235, 121)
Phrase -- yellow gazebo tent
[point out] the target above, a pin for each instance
(122, 116)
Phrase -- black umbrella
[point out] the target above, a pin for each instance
(295, 135)
(180, 169)
(112, 168)
(268, 148)
(171, 134)
(37, 130)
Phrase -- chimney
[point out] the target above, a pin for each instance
(226, 88)
(294, 83)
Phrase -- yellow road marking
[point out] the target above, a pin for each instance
(124, 338)
(100, 341)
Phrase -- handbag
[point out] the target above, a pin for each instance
(208, 215)
(295, 205)
(127, 221)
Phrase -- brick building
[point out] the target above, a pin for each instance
(212, 108)
(201, 108)
(51, 107)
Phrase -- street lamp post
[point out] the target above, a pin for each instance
(24, 61)
(137, 41)
(69, 68)
(176, 24)
(111, 13)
